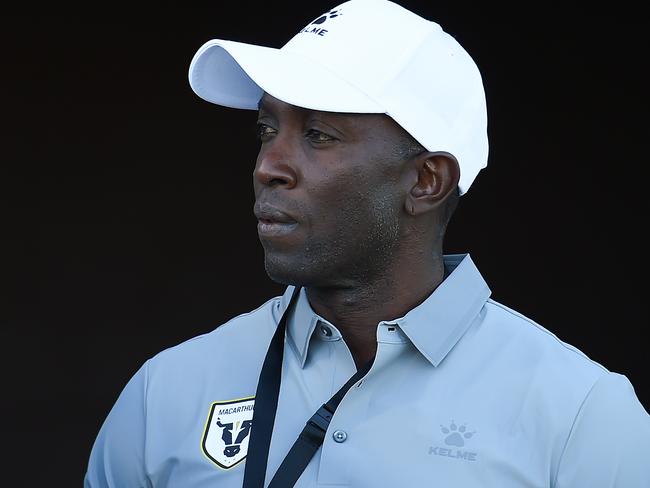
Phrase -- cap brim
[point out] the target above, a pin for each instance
(236, 74)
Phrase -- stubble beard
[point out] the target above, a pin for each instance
(360, 253)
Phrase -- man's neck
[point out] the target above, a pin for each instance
(357, 310)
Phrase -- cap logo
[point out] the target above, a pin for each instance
(315, 26)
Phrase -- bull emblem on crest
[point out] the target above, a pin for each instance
(227, 432)
(233, 448)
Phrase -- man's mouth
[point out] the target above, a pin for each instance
(271, 228)
(273, 222)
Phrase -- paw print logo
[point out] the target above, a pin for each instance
(456, 435)
(329, 15)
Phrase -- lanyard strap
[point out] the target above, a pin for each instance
(311, 437)
(266, 404)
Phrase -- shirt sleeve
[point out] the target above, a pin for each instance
(609, 445)
(117, 456)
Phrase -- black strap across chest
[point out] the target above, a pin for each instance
(266, 404)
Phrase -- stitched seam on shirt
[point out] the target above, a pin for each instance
(573, 425)
(228, 322)
(242, 315)
(549, 333)
(145, 396)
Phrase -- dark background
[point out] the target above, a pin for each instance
(126, 200)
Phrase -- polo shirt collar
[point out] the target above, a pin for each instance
(302, 324)
(434, 326)
(437, 324)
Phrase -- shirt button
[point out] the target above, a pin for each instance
(325, 331)
(339, 436)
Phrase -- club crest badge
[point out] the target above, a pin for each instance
(227, 431)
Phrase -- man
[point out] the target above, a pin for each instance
(368, 139)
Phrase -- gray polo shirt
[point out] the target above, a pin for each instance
(464, 392)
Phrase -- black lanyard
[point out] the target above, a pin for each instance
(266, 404)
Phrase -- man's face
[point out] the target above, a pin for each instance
(329, 194)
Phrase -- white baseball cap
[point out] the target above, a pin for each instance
(363, 56)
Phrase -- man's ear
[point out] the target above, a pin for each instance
(437, 175)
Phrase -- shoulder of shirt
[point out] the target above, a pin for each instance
(570, 363)
(237, 328)
(558, 375)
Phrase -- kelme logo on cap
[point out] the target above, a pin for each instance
(315, 27)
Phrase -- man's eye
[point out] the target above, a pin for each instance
(318, 137)
(264, 131)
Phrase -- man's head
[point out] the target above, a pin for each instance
(340, 197)
(411, 104)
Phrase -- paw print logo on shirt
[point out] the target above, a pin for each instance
(456, 435)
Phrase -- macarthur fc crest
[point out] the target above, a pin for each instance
(227, 431)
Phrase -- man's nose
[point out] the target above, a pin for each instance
(275, 166)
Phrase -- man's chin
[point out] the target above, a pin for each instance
(287, 271)
(282, 274)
